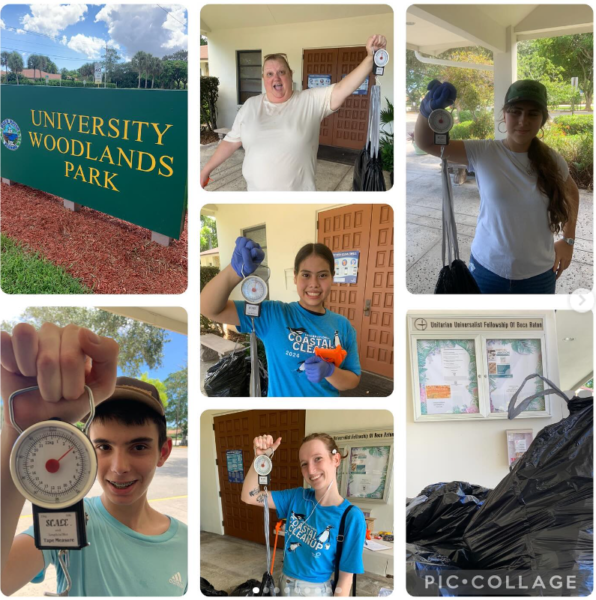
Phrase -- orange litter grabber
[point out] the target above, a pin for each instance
(332, 355)
(277, 528)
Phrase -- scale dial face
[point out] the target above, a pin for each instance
(53, 464)
(254, 289)
(440, 121)
(263, 464)
(381, 58)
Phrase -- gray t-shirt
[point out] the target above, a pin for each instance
(280, 141)
(513, 238)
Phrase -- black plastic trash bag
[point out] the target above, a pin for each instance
(373, 180)
(208, 590)
(540, 517)
(456, 279)
(422, 562)
(360, 168)
(231, 376)
(441, 520)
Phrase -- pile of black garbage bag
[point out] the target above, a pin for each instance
(231, 376)
(252, 587)
(537, 522)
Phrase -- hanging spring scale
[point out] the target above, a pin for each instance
(441, 122)
(53, 465)
(380, 59)
(263, 466)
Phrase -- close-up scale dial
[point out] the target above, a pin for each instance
(53, 464)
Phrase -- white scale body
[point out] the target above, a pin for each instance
(53, 465)
(254, 291)
(441, 122)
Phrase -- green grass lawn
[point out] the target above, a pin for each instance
(24, 271)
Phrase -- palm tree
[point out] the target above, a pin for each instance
(147, 62)
(33, 63)
(137, 63)
(15, 64)
(156, 66)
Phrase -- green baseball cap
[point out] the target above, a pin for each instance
(529, 90)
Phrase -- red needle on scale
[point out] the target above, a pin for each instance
(53, 465)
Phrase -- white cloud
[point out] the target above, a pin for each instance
(146, 27)
(2, 25)
(51, 19)
(64, 41)
(91, 47)
(21, 32)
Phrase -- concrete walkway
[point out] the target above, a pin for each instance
(423, 230)
(330, 176)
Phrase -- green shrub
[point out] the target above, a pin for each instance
(574, 124)
(483, 128)
(209, 95)
(461, 131)
(577, 150)
(464, 115)
(207, 274)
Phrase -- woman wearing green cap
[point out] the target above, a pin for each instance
(526, 194)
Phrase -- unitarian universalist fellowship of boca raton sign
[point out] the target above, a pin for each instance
(121, 152)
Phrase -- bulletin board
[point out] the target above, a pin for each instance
(364, 476)
(473, 372)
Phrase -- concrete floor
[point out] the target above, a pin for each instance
(226, 562)
(423, 230)
(330, 176)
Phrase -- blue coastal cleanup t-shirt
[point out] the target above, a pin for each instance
(122, 562)
(311, 537)
(290, 334)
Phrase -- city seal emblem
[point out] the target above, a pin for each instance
(11, 134)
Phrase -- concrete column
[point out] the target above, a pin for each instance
(70, 205)
(160, 238)
(6, 181)
(505, 75)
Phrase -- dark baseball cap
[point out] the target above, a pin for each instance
(129, 388)
(527, 90)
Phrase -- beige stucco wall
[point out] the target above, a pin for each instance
(205, 68)
(474, 451)
(211, 260)
(289, 227)
(316, 420)
(292, 40)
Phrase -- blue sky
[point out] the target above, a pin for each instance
(73, 34)
(174, 359)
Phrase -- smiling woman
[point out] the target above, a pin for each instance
(279, 130)
(311, 351)
(314, 520)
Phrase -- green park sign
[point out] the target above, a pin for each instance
(121, 152)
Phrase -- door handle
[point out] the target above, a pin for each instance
(367, 304)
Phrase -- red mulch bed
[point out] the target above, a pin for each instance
(108, 255)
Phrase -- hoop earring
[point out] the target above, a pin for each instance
(499, 127)
(542, 132)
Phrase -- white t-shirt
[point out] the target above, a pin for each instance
(513, 238)
(281, 140)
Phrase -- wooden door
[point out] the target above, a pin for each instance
(236, 432)
(344, 229)
(351, 124)
(346, 128)
(321, 62)
(376, 347)
(369, 229)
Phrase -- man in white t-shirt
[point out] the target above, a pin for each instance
(279, 129)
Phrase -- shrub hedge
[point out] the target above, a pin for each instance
(575, 124)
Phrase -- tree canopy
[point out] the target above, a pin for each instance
(139, 343)
(208, 233)
(176, 385)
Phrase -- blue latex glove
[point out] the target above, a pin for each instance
(247, 256)
(317, 369)
(440, 95)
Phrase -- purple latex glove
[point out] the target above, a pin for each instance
(247, 256)
(440, 95)
(317, 369)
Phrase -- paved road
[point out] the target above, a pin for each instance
(167, 494)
